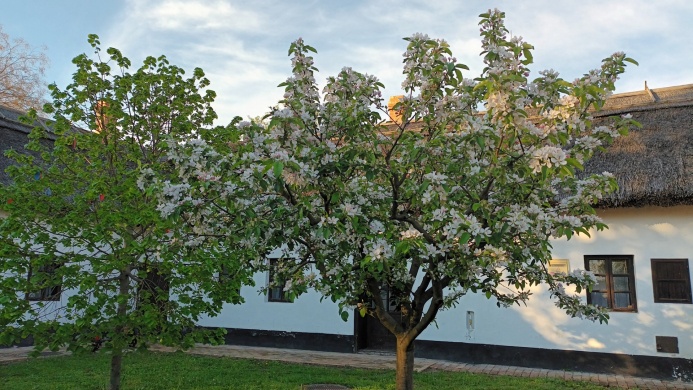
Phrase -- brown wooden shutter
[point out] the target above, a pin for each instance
(671, 281)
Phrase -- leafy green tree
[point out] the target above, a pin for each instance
(86, 254)
(446, 200)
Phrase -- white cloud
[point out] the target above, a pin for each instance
(202, 15)
(242, 45)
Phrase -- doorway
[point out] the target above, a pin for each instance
(370, 334)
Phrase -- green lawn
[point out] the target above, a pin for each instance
(147, 370)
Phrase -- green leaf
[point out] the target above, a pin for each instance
(403, 247)
(528, 55)
(277, 168)
(481, 141)
(575, 163)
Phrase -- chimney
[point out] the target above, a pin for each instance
(652, 95)
(101, 116)
(395, 115)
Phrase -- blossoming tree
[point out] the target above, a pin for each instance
(77, 222)
(460, 195)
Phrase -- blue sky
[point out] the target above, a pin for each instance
(242, 45)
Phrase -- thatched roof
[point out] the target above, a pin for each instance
(13, 135)
(654, 164)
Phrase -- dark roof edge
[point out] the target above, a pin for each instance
(639, 108)
(9, 118)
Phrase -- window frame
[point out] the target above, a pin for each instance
(656, 279)
(46, 294)
(388, 299)
(279, 288)
(609, 276)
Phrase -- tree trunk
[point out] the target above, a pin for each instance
(117, 338)
(405, 363)
(116, 365)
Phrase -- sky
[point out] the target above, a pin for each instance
(242, 45)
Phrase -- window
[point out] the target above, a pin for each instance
(45, 279)
(275, 288)
(389, 298)
(615, 286)
(671, 281)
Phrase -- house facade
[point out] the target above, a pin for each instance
(642, 263)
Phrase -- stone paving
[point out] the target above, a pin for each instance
(386, 361)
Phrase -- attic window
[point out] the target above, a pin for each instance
(671, 281)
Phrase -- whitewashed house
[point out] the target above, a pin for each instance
(642, 262)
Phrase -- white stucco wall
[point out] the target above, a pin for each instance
(305, 314)
(645, 233)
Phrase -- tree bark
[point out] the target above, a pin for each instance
(117, 339)
(405, 363)
(116, 366)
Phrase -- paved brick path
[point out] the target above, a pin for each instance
(384, 361)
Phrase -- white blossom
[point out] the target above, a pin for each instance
(547, 156)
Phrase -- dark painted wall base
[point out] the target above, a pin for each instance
(660, 367)
(292, 340)
(25, 342)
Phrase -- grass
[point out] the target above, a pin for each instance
(152, 371)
